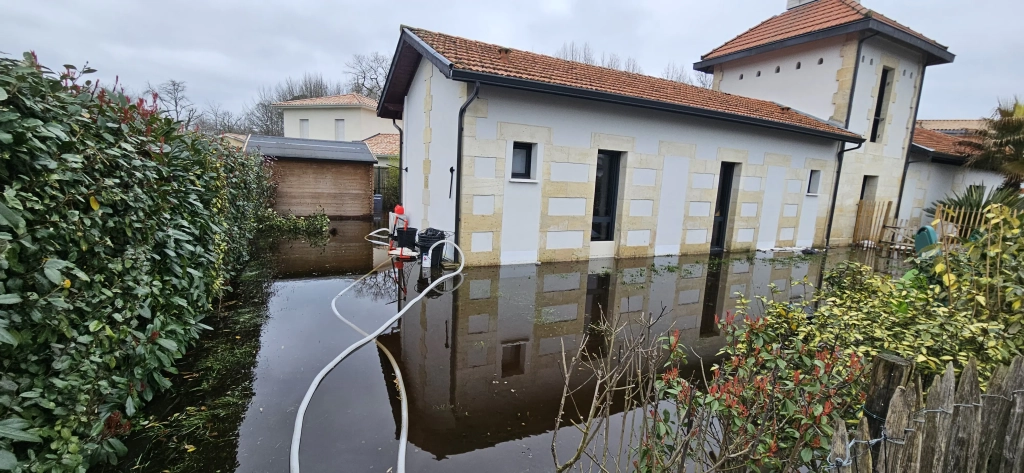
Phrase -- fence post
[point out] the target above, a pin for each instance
(937, 418)
(962, 453)
(888, 372)
(994, 411)
(894, 450)
(861, 452)
(1012, 445)
(839, 454)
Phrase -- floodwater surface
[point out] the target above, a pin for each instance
(480, 355)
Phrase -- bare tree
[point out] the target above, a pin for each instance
(262, 118)
(173, 102)
(216, 120)
(368, 73)
(677, 73)
(576, 52)
(631, 65)
(611, 61)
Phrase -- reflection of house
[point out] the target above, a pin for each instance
(314, 175)
(348, 117)
(552, 160)
(937, 169)
(482, 364)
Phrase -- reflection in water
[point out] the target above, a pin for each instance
(480, 356)
(506, 326)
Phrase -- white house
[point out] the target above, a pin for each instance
(349, 117)
(840, 61)
(531, 158)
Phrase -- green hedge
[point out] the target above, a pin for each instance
(118, 231)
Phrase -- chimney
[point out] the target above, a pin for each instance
(791, 4)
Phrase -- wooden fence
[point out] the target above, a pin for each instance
(872, 217)
(955, 429)
(956, 222)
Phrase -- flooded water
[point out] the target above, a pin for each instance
(480, 358)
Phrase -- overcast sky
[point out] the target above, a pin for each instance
(226, 49)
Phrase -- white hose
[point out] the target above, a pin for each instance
(300, 415)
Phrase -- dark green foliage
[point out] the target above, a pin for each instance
(975, 198)
(118, 231)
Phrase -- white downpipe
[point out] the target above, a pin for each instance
(300, 415)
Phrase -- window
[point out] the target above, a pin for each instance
(871, 62)
(741, 76)
(758, 73)
(821, 61)
(512, 359)
(798, 65)
(882, 104)
(339, 130)
(814, 183)
(303, 128)
(522, 160)
(778, 69)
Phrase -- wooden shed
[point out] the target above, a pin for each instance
(336, 176)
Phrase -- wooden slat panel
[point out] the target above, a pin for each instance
(342, 189)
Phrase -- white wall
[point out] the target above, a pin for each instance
(360, 122)
(574, 123)
(809, 89)
(430, 134)
(929, 182)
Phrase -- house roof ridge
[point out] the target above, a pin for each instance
(474, 57)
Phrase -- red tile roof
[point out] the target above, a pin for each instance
(808, 18)
(346, 99)
(487, 58)
(383, 144)
(940, 142)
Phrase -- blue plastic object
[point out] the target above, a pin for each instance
(925, 238)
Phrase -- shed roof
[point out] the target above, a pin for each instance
(345, 100)
(816, 20)
(471, 61)
(303, 148)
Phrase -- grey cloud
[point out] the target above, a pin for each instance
(226, 49)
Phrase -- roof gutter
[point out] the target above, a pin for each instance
(567, 91)
(458, 160)
(835, 192)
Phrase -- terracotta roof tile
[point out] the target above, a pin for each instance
(808, 18)
(487, 58)
(346, 99)
(383, 144)
(939, 142)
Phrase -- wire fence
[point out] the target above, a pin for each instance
(955, 428)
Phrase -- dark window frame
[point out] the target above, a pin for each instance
(529, 148)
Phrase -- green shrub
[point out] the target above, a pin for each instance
(118, 231)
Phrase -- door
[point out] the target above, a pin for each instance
(720, 225)
(606, 196)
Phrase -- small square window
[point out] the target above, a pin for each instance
(522, 160)
(512, 360)
(814, 183)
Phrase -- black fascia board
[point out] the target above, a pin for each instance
(425, 51)
(935, 54)
(568, 91)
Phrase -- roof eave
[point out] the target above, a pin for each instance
(939, 157)
(556, 89)
(425, 51)
(935, 54)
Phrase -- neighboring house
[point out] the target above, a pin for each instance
(531, 158)
(234, 139)
(936, 170)
(348, 117)
(385, 147)
(840, 61)
(311, 175)
(954, 127)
